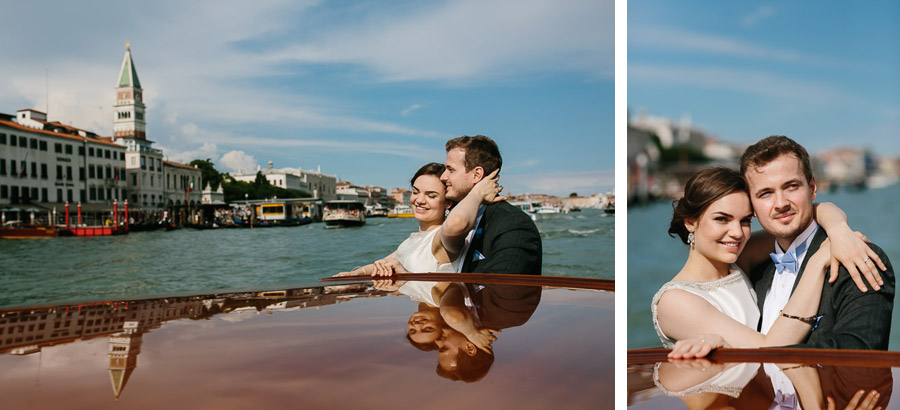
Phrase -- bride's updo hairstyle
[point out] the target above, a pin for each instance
(432, 168)
(704, 188)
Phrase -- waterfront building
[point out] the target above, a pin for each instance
(317, 184)
(380, 196)
(593, 201)
(182, 186)
(276, 177)
(347, 191)
(400, 196)
(46, 164)
(846, 166)
(320, 185)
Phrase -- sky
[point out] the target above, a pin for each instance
(826, 74)
(366, 90)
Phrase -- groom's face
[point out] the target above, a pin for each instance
(782, 198)
(457, 180)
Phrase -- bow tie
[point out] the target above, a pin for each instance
(784, 401)
(787, 262)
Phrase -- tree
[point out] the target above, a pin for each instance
(209, 172)
(260, 179)
(573, 194)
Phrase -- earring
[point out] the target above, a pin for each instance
(690, 240)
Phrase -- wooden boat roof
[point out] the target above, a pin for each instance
(320, 345)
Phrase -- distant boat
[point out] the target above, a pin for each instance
(610, 208)
(401, 211)
(344, 213)
(528, 208)
(376, 211)
(98, 230)
(16, 230)
(550, 209)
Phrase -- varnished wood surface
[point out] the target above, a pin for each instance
(494, 279)
(865, 358)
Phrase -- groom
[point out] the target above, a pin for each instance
(504, 239)
(782, 190)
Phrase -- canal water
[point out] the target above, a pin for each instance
(654, 257)
(578, 244)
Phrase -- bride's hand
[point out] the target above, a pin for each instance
(849, 248)
(697, 347)
(488, 189)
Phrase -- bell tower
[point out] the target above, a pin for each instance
(129, 107)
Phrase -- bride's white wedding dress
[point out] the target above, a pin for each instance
(415, 255)
(733, 295)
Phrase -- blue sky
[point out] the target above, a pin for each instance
(367, 90)
(824, 73)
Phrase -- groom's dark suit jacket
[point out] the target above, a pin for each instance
(851, 319)
(506, 241)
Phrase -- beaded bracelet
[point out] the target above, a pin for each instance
(811, 320)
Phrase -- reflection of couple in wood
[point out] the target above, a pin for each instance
(465, 350)
(703, 384)
(787, 300)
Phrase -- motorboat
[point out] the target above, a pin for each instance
(550, 209)
(376, 211)
(344, 213)
(18, 230)
(401, 211)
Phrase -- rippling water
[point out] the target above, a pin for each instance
(654, 258)
(151, 263)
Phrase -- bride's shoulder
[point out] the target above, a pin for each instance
(677, 300)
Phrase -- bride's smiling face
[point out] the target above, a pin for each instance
(723, 228)
(428, 199)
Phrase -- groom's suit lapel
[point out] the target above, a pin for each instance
(477, 244)
(762, 284)
(818, 238)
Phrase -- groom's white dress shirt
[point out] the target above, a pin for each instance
(783, 282)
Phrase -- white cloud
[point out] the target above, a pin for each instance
(762, 13)
(207, 150)
(410, 109)
(746, 81)
(238, 162)
(523, 164)
(469, 41)
(674, 39)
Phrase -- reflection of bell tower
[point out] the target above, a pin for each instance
(124, 349)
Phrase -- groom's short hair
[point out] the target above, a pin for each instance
(480, 151)
(767, 149)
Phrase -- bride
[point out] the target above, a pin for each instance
(710, 302)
